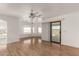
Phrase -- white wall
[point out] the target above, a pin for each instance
(46, 31)
(70, 28)
(13, 27)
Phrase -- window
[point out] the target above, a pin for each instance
(3, 31)
(39, 30)
(55, 27)
(27, 30)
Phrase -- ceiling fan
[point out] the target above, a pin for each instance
(34, 14)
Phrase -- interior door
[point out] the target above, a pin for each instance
(56, 31)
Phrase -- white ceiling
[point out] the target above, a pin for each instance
(48, 10)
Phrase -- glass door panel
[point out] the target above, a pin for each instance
(55, 33)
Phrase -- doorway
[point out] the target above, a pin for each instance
(55, 32)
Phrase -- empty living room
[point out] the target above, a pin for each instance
(39, 29)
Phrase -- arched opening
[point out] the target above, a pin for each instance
(3, 32)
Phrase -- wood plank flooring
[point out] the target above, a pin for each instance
(36, 47)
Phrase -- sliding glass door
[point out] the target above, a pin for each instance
(55, 32)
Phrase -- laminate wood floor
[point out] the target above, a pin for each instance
(36, 47)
